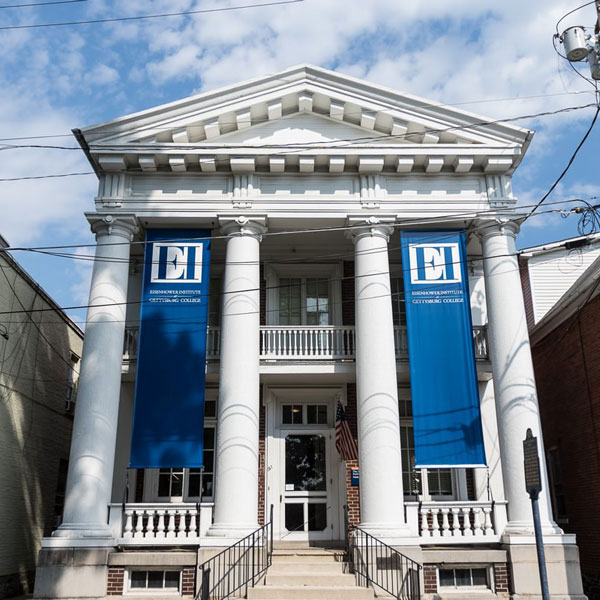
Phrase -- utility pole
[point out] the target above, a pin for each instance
(581, 46)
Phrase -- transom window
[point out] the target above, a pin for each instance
(305, 414)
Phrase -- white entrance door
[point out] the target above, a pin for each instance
(308, 485)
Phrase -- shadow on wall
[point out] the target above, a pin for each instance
(35, 433)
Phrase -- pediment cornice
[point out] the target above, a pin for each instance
(223, 129)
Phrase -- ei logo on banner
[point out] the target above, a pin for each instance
(176, 262)
(434, 263)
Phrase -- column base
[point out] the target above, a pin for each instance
(80, 531)
(231, 530)
(562, 565)
(71, 573)
(526, 528)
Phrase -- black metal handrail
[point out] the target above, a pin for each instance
(375, 563)
(238, 567)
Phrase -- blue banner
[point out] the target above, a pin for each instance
(443, 377)
(168, 418)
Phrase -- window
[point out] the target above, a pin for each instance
(303, 301)
(303, 294)
(398, 301)
(71, 381)
(142, 581)
(425, 483)
(559, 503)
(464, 577)
(214, 302)
(61, 486)
(179, 484)
(305, 414)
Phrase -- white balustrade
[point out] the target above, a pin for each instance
(296, 342)
(444, 522)
(156, 524)
(333, 342)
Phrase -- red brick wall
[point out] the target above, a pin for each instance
(263, 296)
(526, 285)
(567, 366)
(139, 485)
(261, 461)
(188, 581)
(114, 586)
(430, 579)
(352, 492)
(470, 484)
(502, 578)
(348, 316)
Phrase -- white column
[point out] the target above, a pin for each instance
(89, 481)
(380, 461)
(236, 465)
(514, 381)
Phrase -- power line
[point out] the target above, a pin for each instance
(157, 16)
(327, 144)
(42, 3)
(569, 163)
(439, 236)
(39, 329)
(416, 221)
(265, 119)
(47, 176)
(571, 12)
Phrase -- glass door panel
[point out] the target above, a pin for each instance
(307, 485)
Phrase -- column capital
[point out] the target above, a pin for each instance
(123, 225)
(380, 226)
(495, 226)
(254, 226)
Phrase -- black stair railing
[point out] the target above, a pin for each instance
(376, 564)
(238, 567)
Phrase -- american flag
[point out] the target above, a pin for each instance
(344, 442)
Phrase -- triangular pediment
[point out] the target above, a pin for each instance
(309, 108)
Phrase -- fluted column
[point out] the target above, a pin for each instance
(236, 466)
(514, 380)
(381, 494)
(89, 481)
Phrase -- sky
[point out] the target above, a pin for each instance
(493, 58)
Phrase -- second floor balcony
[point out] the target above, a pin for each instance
(306, 343)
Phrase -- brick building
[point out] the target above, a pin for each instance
(566, 357)
(39, 354)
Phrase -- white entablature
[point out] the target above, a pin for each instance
(305, 119)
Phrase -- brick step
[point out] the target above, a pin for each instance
(309, 592)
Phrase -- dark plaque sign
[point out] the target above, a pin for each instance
(531, 462)
(354, 477)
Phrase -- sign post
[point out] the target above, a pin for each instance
(533, 485)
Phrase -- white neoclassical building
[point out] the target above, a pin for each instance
(304, 179)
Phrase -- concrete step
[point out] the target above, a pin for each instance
(314, 568)
(312, 579)
(308, 555)
(328, 545)
(309, 592)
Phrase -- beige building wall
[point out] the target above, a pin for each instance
(39, 350)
